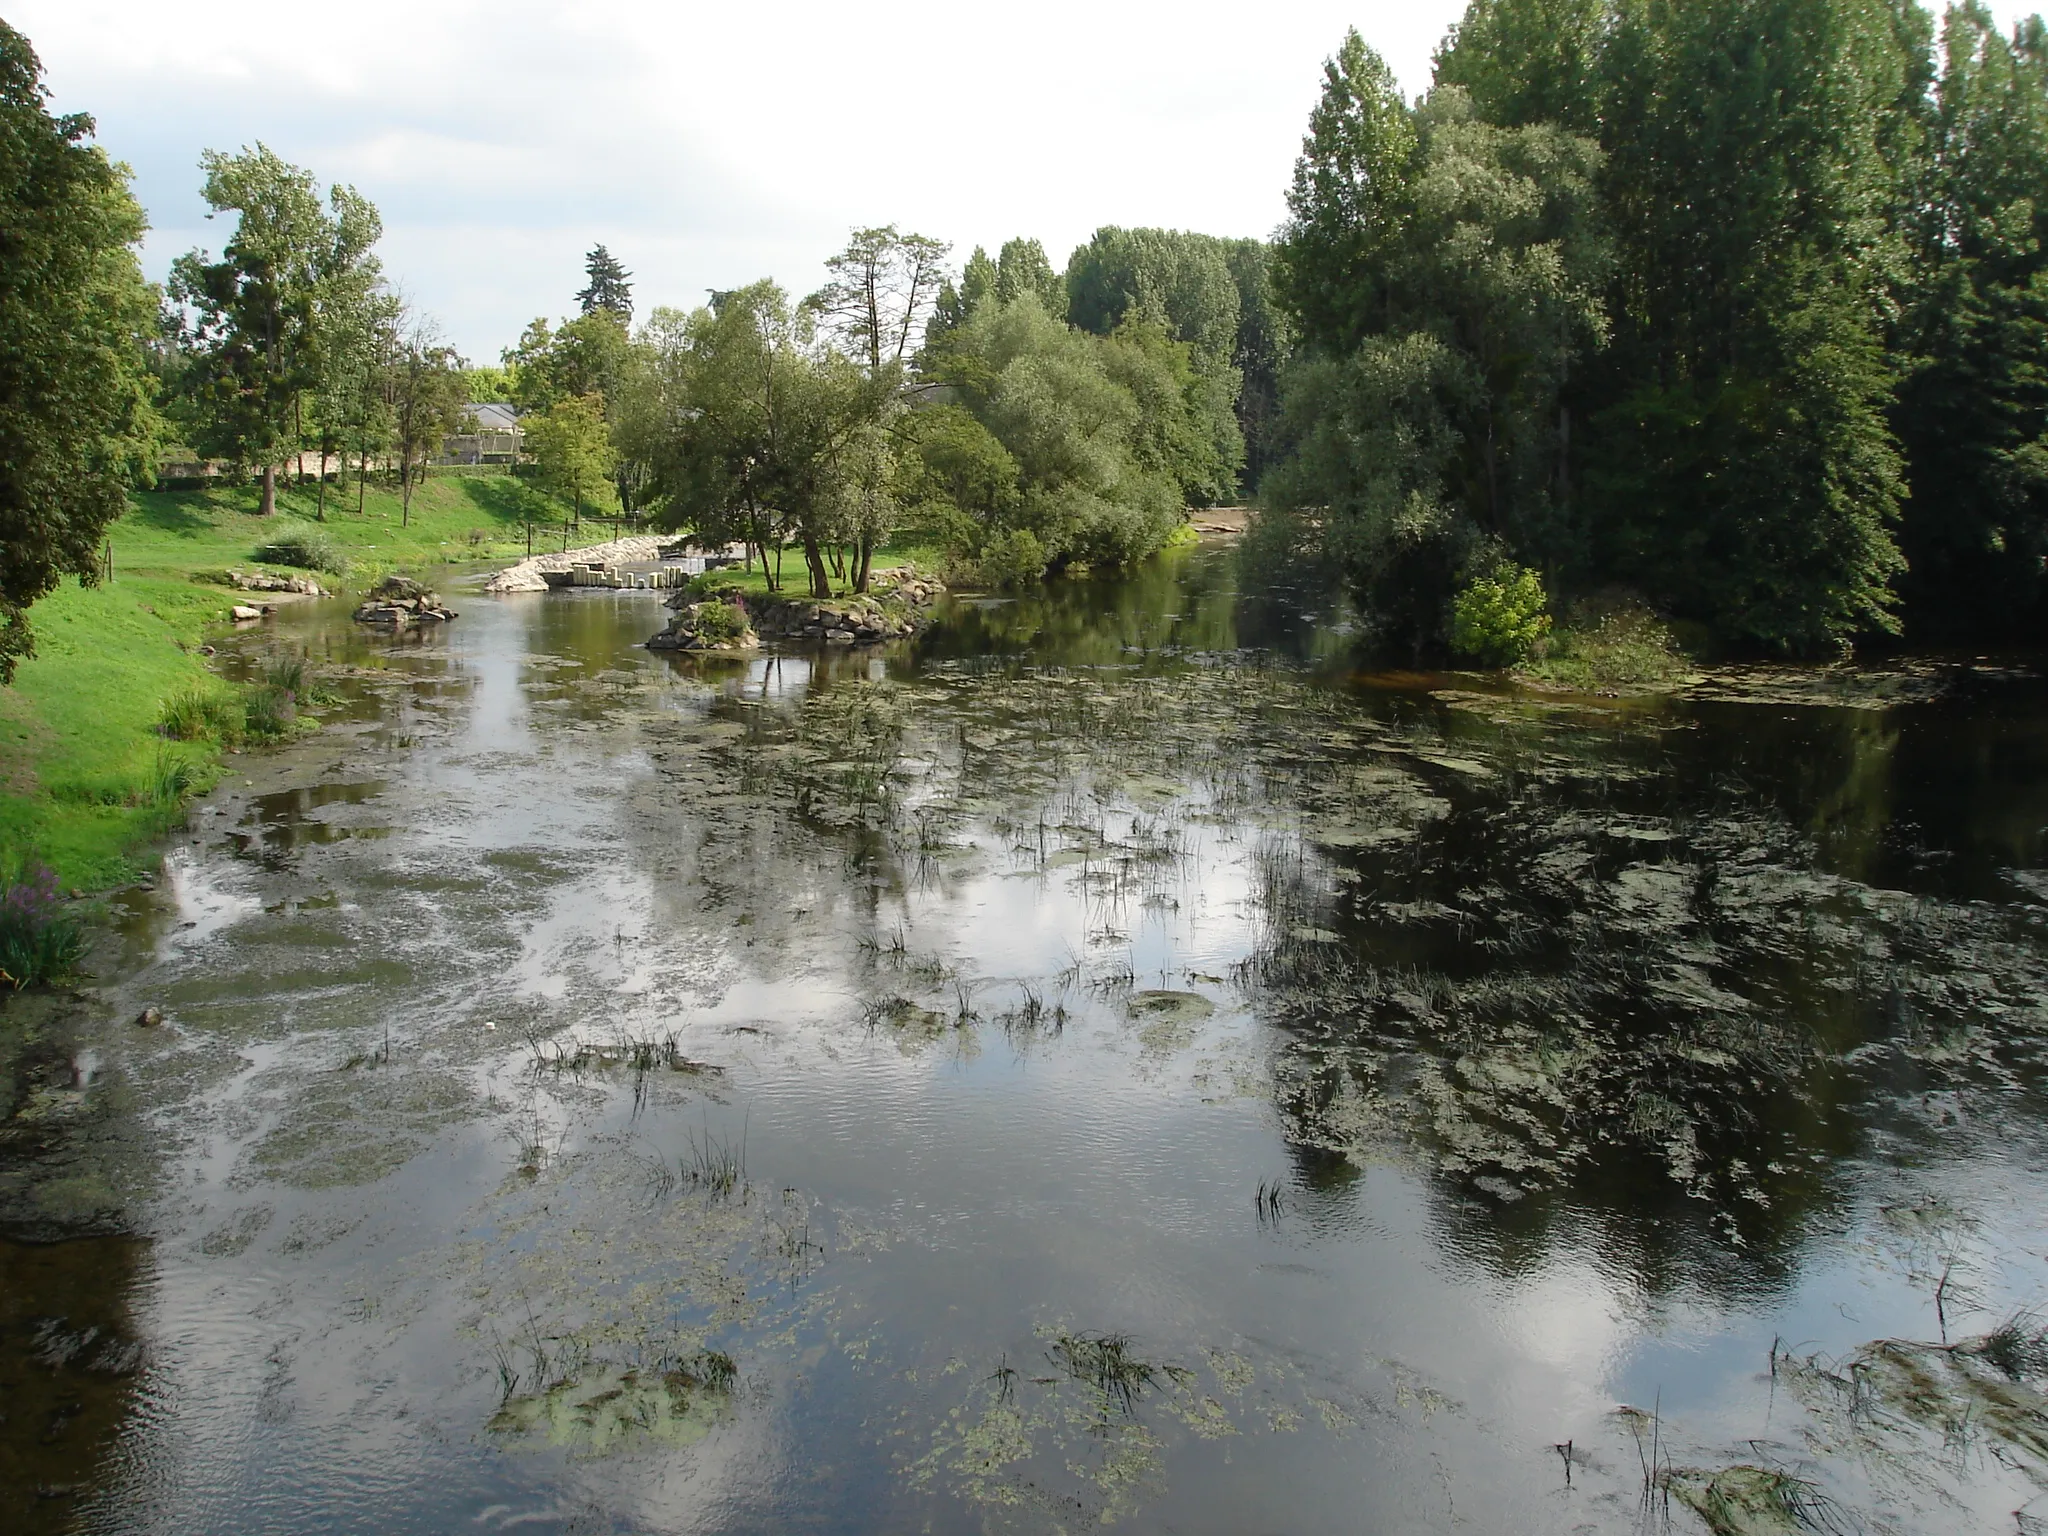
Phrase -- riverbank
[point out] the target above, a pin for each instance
(86, 781)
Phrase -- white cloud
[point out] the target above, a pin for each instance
(708, 145)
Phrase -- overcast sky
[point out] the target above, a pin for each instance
(710, 145)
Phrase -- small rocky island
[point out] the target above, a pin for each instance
(710, 617)
(400, 601)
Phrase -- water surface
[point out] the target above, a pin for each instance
(1112, 1061)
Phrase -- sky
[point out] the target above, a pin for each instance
(710, 145)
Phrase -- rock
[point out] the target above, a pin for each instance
(242, 613)
(150, 1017)
(399, 601)
(206, 650)
(839, 637)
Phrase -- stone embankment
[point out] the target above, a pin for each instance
(527, 576)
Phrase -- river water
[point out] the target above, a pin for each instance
(1109, 1061)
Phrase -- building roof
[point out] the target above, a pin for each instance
(495, 416)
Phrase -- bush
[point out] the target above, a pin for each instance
(202, 713)
(1616, 646)
(1499, 618)
(304, 546)
(38, 941)
(720, 622)
(1012, 559)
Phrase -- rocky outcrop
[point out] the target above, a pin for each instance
(897, 605)
(711, 624)
(400, 601)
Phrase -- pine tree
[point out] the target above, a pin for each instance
(609, 289)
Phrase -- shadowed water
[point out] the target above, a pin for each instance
(1111, 1061)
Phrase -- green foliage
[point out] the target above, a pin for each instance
(258, 314)
(1011, 558)
(1501, 617)
(1348, 205)
(1661, 358)
(1091, 444)
(1606, 647)
(721, 622)
(1973, 409)
(305, 546)
(1441, 430)
(77, 426)
(1179, 285)
(269, 712)
(203, 712)
(573, 448)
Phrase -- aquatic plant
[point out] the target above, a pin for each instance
(39, 941)
(1105, 1362)
(1746, 1500)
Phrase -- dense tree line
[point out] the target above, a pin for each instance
(1734, 303)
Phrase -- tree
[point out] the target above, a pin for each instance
(355, 316)
(761, 431)
(427, 401)
(256, 327)
(883, 290)
(881, 294)
(1972, 411)
(1348, 204)
(1095, 434)
(1529, 61)
(1439, 441)
(1182, 283)
(572, 446)
(1740, 467)
(77, 426)
(592, 354)
(608, 289)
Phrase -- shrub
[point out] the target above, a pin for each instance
(38, 941)
(1499, 618)
(720, 622)
(304, 546)
(1609, 647)
(202, 713)
(1012, 559)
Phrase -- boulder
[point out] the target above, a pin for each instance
(242, 613)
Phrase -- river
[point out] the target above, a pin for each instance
(1111, 1060)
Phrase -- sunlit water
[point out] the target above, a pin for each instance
(1102, 1063)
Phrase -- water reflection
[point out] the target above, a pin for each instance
(1110, 1059)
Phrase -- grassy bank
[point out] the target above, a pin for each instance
(86, 779)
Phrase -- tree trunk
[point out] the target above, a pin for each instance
(865, 555)
(814, 557)
(268, 506)
(362, 477)
(404, 488)
(320, 507)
